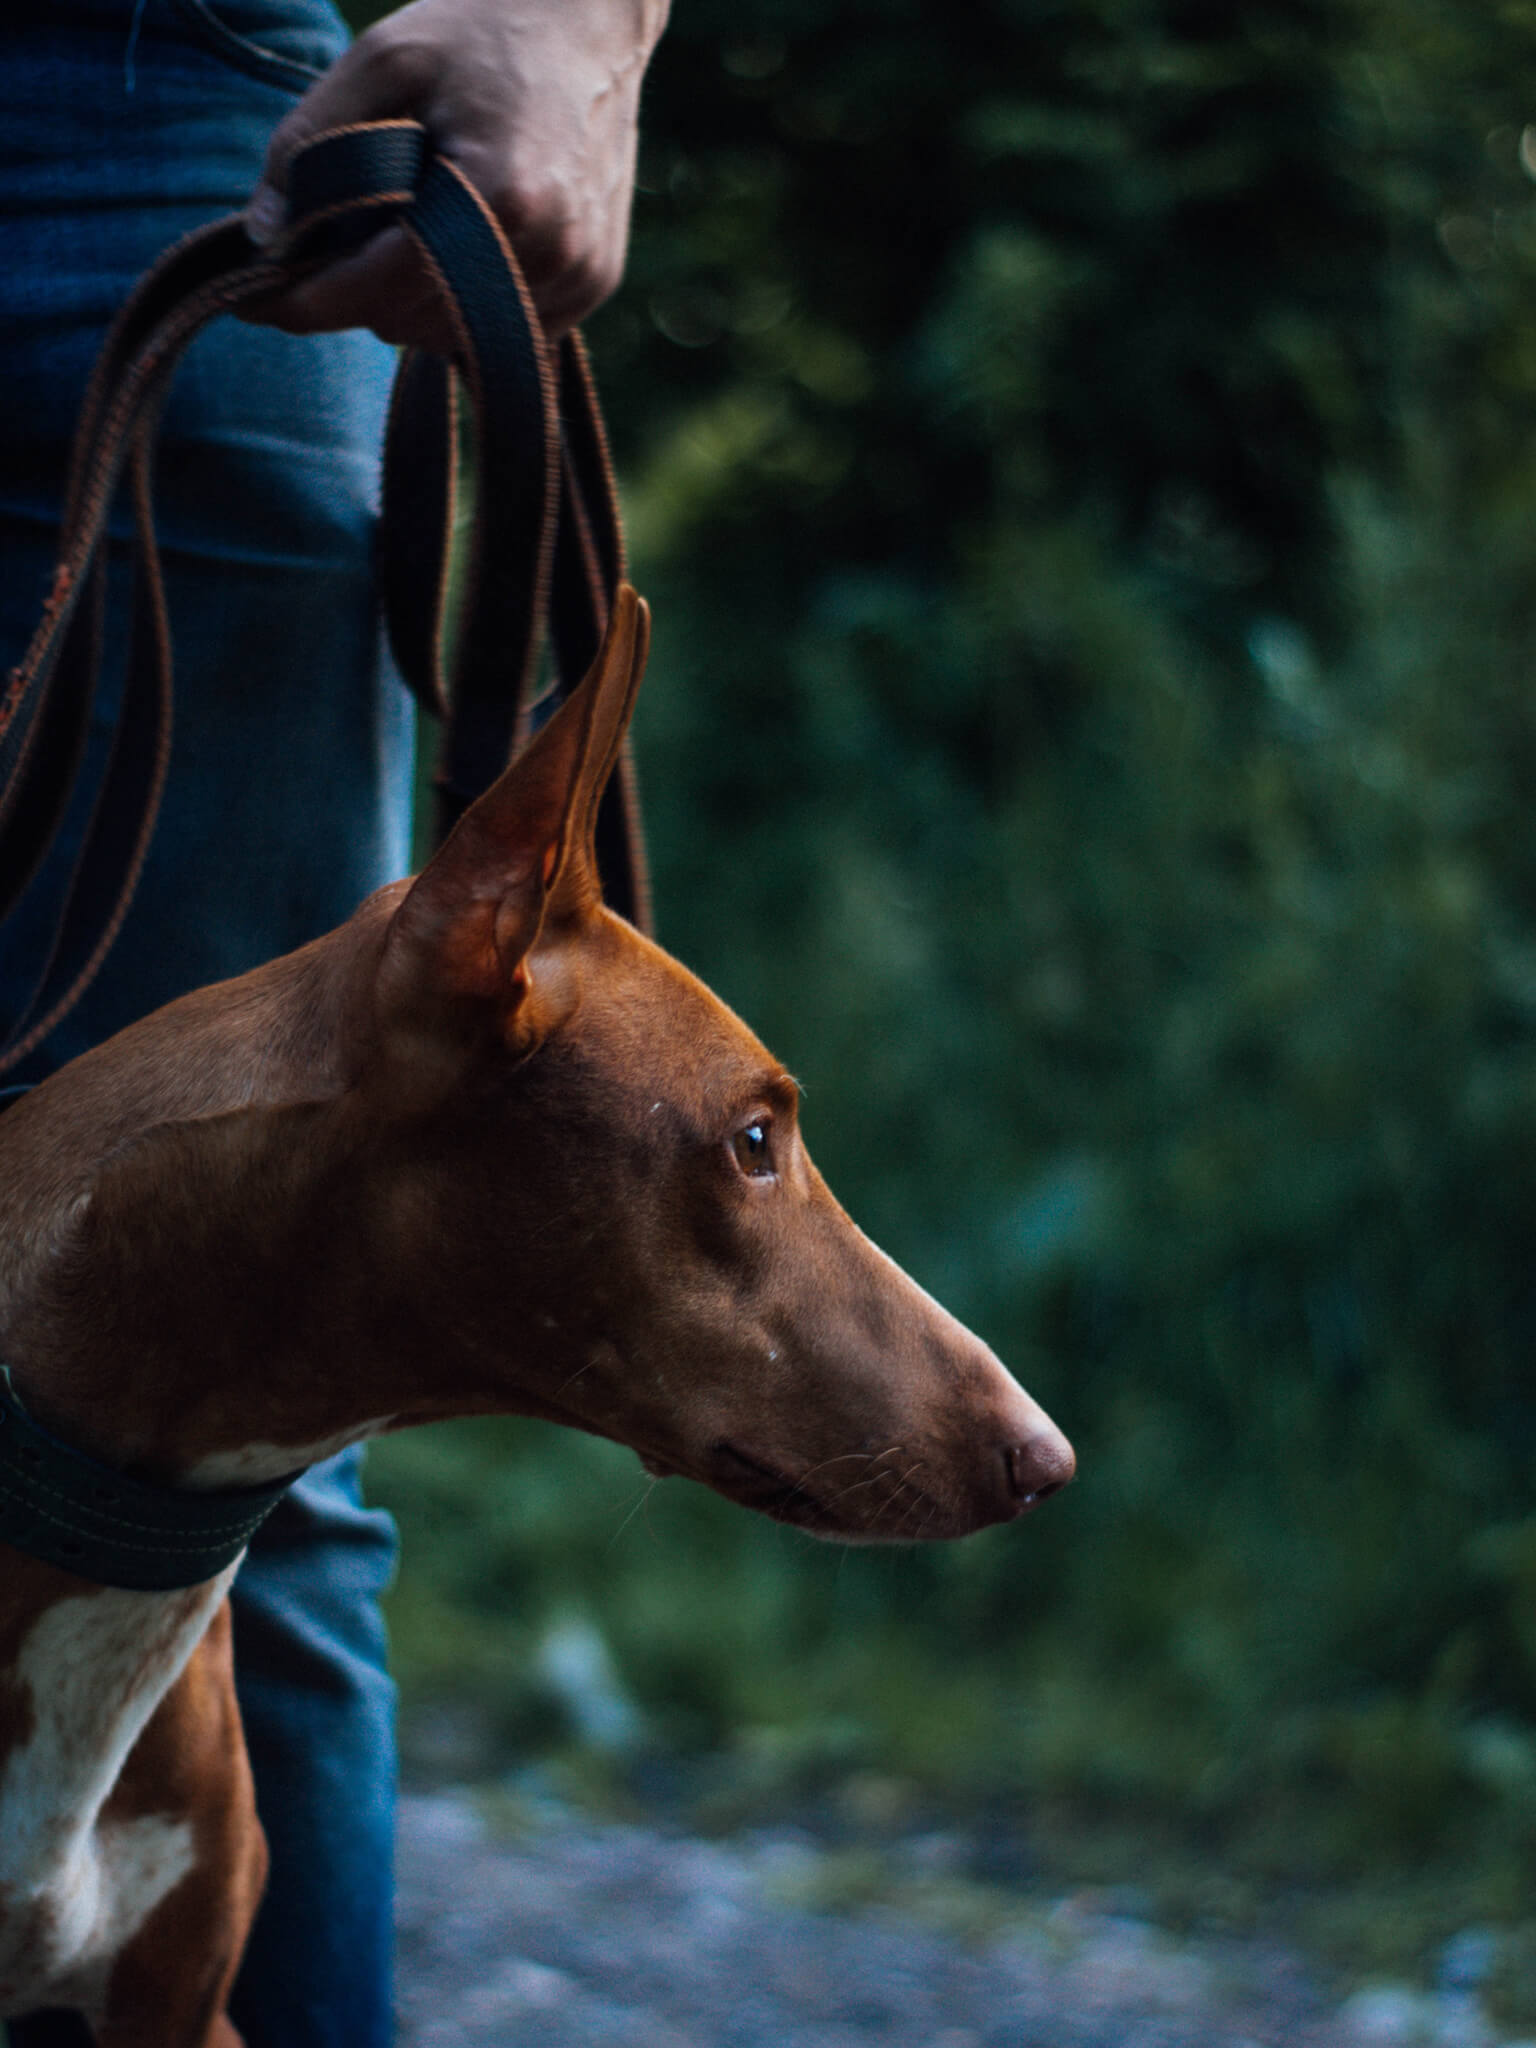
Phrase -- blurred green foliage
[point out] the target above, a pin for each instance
(1079, 454)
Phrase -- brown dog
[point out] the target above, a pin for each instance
(484, 1148)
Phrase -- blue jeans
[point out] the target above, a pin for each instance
(124, 126)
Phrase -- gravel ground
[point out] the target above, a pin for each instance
(566, 1932)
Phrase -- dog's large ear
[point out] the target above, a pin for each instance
(617, 674)
(471, 917)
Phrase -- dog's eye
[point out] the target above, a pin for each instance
(754, 1154)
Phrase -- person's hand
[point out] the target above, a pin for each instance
(536, 101)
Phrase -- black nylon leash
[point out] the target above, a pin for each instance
(545, 490)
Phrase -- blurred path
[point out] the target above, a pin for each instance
(574, 1933)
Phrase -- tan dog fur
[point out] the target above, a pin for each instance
(482, 1149)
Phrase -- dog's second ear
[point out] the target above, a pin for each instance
(524, 850)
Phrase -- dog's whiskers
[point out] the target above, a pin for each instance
(846, 1458)
(642, 1501)
(917, 1503)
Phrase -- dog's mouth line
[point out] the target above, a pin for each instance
(763, 1486)
(754, 1483)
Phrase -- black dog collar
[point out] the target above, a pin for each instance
(61, 1506)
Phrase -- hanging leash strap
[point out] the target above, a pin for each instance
(544, 549)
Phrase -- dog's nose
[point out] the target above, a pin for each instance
(1039, 1467)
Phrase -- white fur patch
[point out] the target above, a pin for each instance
(74, 1888)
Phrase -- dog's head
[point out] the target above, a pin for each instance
(628, 1232)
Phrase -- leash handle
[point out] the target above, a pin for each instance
(545, 546)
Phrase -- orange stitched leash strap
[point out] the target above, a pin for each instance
(545, 539)
(45, 705)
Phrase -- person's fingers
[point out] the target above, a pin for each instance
(386, 286)
(389, 287)
(569, 271)
(571, 234)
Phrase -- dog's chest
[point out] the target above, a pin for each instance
(77, 1882)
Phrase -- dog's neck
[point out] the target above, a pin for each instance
(164, 1212)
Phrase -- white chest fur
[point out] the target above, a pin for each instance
(74, 1887)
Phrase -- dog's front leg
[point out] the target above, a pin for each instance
(168, 1985)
